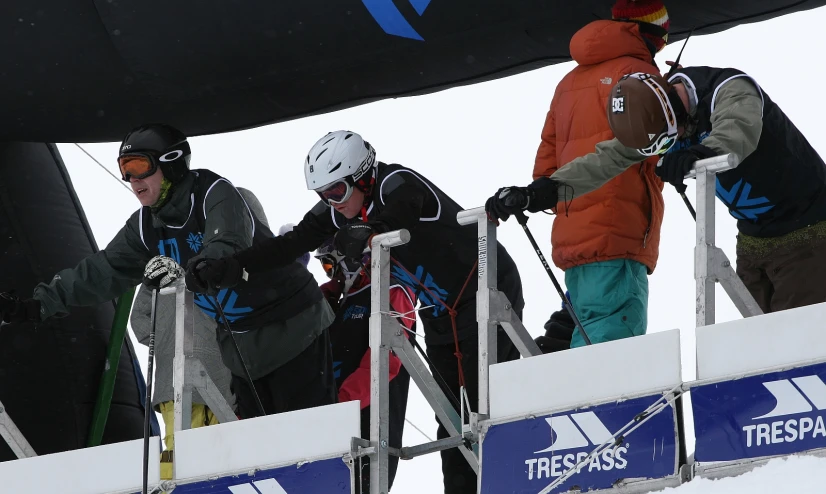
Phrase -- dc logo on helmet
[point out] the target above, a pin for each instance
(366, 164)
(618, 104)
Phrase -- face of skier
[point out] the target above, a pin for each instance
(352, 206)
(683, 94)
(147, 190)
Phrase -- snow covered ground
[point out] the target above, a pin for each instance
(799, 474)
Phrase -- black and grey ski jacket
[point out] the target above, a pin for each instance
(278, 315)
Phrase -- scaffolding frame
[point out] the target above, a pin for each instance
(711, 265)
(13, 437)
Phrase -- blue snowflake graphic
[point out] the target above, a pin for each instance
(195, 241)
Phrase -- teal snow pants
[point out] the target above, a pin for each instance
(610, 298)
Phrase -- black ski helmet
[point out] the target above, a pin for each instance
(164, 144)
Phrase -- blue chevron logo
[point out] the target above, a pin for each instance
(391, 19)
(227, 299)
(438, 296)
(739, 204)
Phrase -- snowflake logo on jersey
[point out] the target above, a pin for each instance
(195, 241)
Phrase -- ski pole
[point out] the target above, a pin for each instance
(147, 410)
(688, 204)
(523, 221)
(217, 306)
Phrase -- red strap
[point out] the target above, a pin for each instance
(450, 310)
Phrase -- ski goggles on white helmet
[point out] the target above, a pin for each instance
(662, 142)
(337, 192)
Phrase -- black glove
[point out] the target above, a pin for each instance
(160, 271)
(13, 309)
(559, 330)
(351, 240)
(211, 275)
(675, 165)
(540, 195)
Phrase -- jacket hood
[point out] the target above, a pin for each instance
(605, 40)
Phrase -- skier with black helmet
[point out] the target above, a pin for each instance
(777, 193)
(279, 316)
(361, 197)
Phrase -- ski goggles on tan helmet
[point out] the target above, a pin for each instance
(337, 192)
(660, 143)
(143, 164)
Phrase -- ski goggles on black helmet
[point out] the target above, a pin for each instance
(337, 192)
(328, 263)
(660, 143)
(142, 164)
(334, 263)
(137, 165)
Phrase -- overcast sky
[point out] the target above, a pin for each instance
(471, 141)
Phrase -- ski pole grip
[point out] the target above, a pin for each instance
(716, 164)
(471, 216)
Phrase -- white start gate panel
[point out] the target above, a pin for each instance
(550, 432)
(742, 413)
(302, 452)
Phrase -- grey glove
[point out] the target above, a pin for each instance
(161, 271)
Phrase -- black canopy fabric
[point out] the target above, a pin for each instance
(83, 71)
(49, 374)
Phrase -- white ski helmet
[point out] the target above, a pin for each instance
(340, 156)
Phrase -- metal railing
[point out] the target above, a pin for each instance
(188, 373)
(386, 335)
(13, 437)
(711, 265)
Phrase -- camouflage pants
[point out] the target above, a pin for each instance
(784, 272)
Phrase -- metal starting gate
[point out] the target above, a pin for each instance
(760, 393)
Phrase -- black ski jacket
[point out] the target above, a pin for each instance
(781, 186)
(440, 255)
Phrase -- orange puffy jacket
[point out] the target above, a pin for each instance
(622, 219)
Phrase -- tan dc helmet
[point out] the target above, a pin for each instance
(641, 115)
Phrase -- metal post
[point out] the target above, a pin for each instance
(184, 349)
(706, 184)
(380, 356)
(492, 307)
(488, 263)
(13, 437)
(711, 265)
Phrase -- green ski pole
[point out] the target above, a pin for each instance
(110, 370)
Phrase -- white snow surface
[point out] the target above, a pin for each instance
(800, 474)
